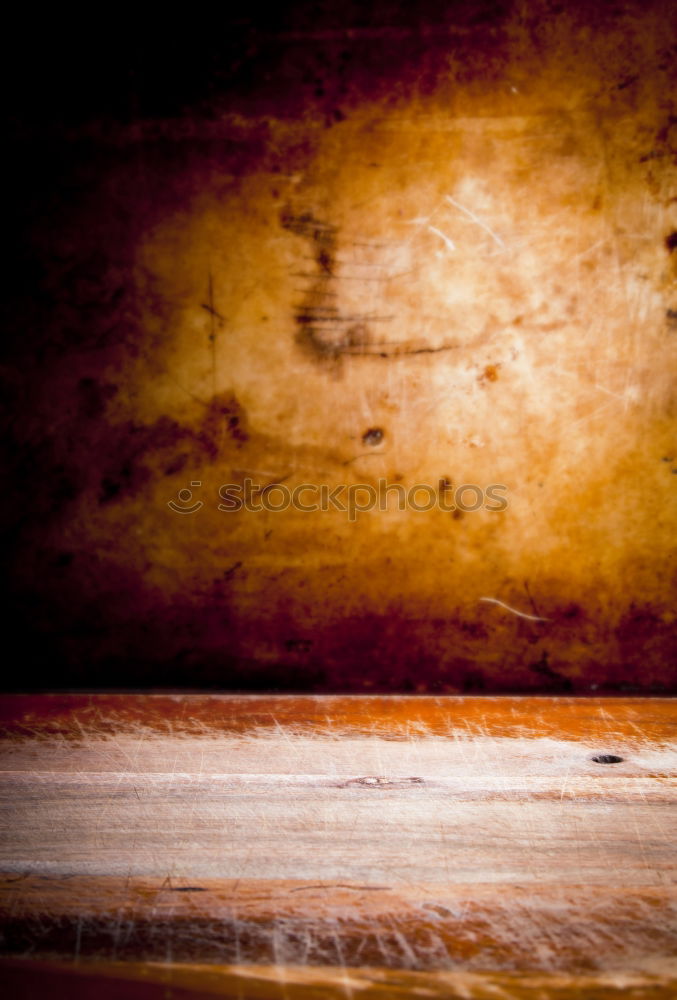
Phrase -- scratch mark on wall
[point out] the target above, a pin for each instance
(471, 215)
(514, 611)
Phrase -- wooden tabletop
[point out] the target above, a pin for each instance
(284, 846)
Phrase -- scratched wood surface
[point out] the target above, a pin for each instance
(282, 846)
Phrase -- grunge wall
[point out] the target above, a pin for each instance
(424, 246)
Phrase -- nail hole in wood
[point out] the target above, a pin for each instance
(607, 758)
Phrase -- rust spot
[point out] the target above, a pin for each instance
(490, 374)
(373, 436)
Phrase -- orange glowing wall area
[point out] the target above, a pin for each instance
(352, 258)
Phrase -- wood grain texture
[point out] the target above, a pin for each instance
(314, 846)
(134, 981)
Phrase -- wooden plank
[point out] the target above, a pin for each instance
(307, 836)
(634, 720)
(134, 981)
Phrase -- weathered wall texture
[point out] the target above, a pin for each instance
(432, 247)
